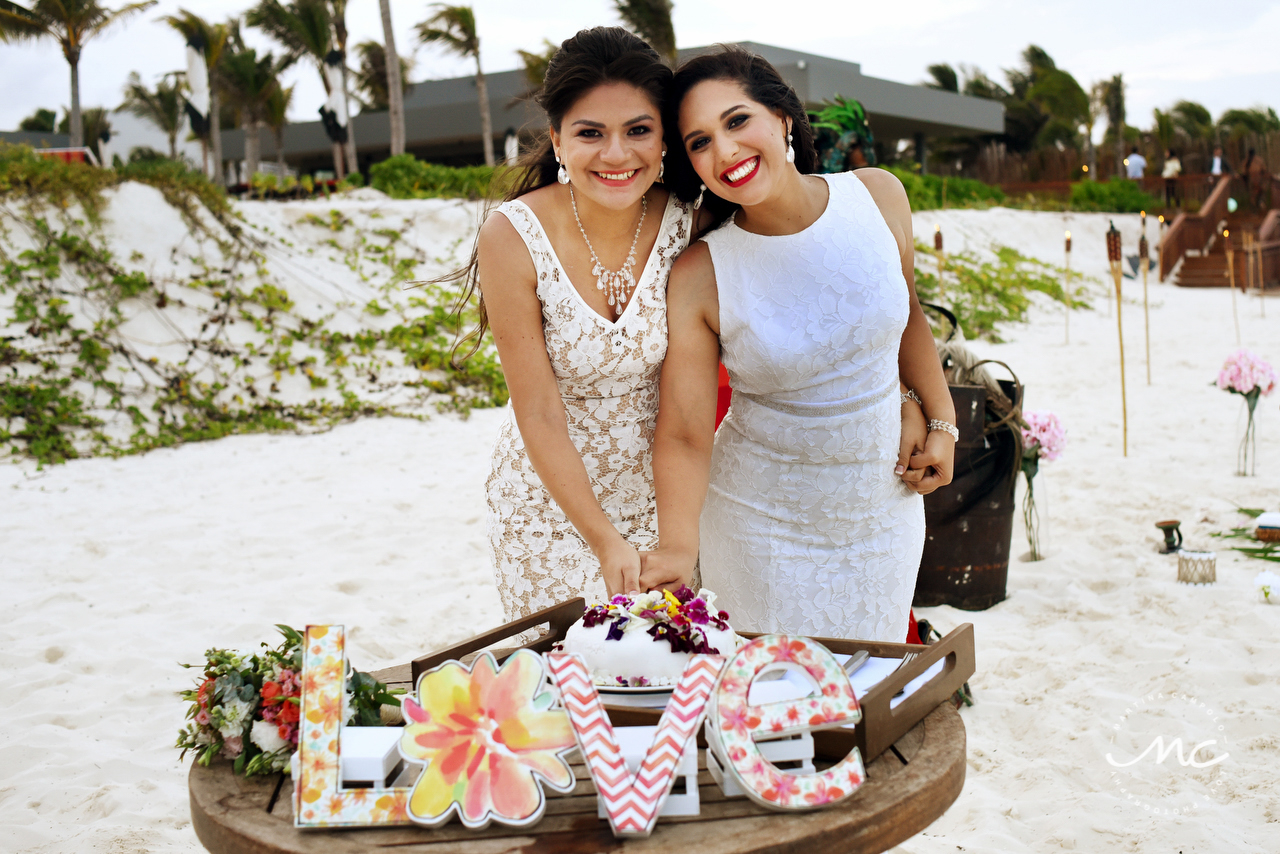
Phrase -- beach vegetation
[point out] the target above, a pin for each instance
(406, 177)
(985, 293)
(73, 384)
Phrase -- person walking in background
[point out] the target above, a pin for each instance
(1135, 165)
(1172, 169)
(1255, 177)
(1218, 166)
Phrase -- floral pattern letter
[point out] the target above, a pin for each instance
(737, 724)
(318, 797)
(488, 737)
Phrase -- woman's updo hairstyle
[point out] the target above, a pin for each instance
(589, 59)
(764, 85)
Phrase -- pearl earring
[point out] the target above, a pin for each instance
(562, 174)
(702, 188)
(791, 152)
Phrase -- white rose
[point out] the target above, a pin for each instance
(235, 716)
(267, 737)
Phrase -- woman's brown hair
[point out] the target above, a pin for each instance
(764, 85)
(589, 59)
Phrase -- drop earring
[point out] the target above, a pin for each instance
(562, 174)
(697, 203)
(791, 152)
(662, 165)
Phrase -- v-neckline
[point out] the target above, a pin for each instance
(612, 324)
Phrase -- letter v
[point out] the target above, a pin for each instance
(633, 801)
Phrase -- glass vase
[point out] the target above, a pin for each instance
(1247, 454)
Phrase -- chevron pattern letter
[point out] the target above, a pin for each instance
(633, 801)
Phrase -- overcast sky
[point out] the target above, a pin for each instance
(1222, 54)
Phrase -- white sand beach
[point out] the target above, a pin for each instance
(116, 570)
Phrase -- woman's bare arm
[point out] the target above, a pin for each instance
(918, 364)
(686, 418)
(508, 281)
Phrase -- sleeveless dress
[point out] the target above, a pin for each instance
(608, 377)
(806, 529)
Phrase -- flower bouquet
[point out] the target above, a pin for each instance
(1251, 377)
(1043, 437)
(245, 706)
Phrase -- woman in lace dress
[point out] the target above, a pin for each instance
(573, 272)
(806, 294)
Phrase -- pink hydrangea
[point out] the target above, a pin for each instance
(1045, 430)
(1244, 371)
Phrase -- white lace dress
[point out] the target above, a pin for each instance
(608, 376)
(806, 528)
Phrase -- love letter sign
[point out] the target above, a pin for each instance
(737, 724)
(318, 797)
(490, 740)
(633, 802)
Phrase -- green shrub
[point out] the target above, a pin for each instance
(406, 177)
(1114, 196)
(925, 192)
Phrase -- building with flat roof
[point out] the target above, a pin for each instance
(442, 120)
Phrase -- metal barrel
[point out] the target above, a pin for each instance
(969, 522)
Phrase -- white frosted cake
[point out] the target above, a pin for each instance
(646, 640)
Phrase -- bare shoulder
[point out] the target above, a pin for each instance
(694, 266)
(501, 253)
(891, 198)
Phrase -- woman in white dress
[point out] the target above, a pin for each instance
(806, 294)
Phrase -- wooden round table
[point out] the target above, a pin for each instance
(907, 787)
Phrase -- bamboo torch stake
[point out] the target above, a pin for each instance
(937, 251)
(1144, 258)
(1231, 281)
(1113, 255)
(1066, 288)
(1160, 248)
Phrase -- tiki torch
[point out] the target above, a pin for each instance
(1144, 258)
(937, 251)
(1113, 256)
(1160, 248)
(1231, 280)
(1066, 288)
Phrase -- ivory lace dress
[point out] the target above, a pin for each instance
(608, 376)
(806, 529)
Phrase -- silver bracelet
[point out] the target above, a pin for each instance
(945, 427)
(910, 394)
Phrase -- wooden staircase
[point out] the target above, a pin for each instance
(1196, 241)
(1209, 269)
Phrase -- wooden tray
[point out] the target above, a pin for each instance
(880, 727)
(905, 791)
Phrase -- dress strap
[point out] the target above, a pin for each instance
(526, 224)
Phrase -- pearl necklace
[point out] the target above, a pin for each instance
(617, 285)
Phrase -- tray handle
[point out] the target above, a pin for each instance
(559, 617)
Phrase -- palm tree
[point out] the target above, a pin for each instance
(71, 23)
(1194, 120)
(213, 37)
(372, 76)
(454, 28)
(304, 28)
(395, 79)
(651, 21)
(338, 12)
(944, 77)
(161, 106)
(251, 80)
(1113, 98)
(276, 118)
(535, 64)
